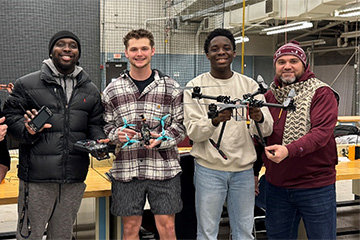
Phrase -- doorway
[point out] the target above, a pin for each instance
(113, 70)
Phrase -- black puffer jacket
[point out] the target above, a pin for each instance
(49, 156)
(4, 153)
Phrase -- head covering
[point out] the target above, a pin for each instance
(63, 34)
(291, 48)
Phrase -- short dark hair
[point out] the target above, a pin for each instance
(219, 32)
(137, 34)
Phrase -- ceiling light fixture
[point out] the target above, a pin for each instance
(349, 10)
(240, 39)
(287, 28)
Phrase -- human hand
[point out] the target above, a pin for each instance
(223, 116)
(126, 134)
(3, 171)
(276, 153)
(105, 140)
(255, 114)
(29, 115)
(257, 191)
(153, 142)
(3, 128)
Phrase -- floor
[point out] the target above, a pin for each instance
(348, 217)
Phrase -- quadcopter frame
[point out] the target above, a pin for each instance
(145, 131)
(248, 101)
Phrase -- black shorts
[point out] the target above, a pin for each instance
(128, 198)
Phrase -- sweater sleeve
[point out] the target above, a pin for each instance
(110, 127)
(198, 126)
(14, 112)
(323, 117)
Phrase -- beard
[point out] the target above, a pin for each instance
(288, 81)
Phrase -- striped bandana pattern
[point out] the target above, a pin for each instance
(297, 122)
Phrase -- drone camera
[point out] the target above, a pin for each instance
(213, 113)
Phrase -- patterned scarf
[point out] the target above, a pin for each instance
(297, 122)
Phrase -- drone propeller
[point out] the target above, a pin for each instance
(126, 124)
(261, 82)
(291, 95)
(129, 141)
(163, 137)
(162, 120)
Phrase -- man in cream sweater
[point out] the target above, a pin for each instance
(218, 179)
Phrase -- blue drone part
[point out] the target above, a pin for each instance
(162, 120)
(145, 131)
(126, 124)
(163, 137)
(129, 141)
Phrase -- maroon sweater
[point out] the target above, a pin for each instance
(312, 158)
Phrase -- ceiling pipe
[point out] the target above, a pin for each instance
(346, 30)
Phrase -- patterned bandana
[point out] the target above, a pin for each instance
(297, 122)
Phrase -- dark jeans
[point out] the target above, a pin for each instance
(285, 207)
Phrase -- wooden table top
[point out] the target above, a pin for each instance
(96, 186)
(348, 170)
(348, 118)
(99, 186)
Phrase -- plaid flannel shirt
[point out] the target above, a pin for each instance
(121, 99)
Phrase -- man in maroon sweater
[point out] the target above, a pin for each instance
(300, 169)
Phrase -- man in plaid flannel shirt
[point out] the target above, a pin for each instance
(141, 170)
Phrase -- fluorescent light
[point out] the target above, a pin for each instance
(240, 39)
(349, 10)
(312, 42)
(287, 28)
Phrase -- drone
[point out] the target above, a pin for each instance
(145, 131)
(225, 102)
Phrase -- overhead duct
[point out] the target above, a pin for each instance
(306, 10)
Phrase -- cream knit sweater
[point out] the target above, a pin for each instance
(236, 142)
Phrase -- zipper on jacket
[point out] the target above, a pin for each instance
(63, 100)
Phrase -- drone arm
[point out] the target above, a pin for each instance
(265, 124)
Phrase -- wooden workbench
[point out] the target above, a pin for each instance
(96, 186)
(348, 170)
(348, 118)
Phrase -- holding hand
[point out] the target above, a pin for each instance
(223, 116)
(255, 114)
(279, 153)
(153, 142)
(126, 132)
(29, 115)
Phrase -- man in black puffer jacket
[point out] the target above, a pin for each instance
(51, 172)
